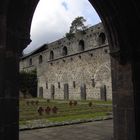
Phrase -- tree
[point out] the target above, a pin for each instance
(76, 26)
(28, 83)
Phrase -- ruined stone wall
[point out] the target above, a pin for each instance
(82, 73)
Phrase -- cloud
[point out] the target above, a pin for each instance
(64, 4)
(52, 20)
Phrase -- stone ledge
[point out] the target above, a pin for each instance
(43, 125)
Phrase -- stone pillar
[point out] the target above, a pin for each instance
(8, 87)
(123, 99)
(15, 22)
(10, 45)
(9, 106)
(136, 81)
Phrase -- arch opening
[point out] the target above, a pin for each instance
(51, 55)
(81, 45)
(102, 38)
(119, 36)
(64, 51)
(40, 59)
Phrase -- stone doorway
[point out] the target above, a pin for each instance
(52, 92)
(66, 91)
(103, 93)
(83, 91)
(41, 92)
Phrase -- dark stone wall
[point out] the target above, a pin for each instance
(8, 85)
(123, 101)
(136, 84)
(121, 21)
(14, 36)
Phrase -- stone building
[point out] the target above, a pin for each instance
(77, 68)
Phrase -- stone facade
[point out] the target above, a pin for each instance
(78, 68)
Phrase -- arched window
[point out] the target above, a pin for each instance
(40, 59)
(74, 84)
(58, 84)
(64, 51)
(81, 45)
(30, 61)
(102, 38)
(93, 82)
(51, 55)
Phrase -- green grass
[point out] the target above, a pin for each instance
(77, 117)
(65, 112)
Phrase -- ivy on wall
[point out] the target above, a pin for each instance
(77, 25)
(28, 83)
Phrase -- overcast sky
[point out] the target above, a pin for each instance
(52, 20)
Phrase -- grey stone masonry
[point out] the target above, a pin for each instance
(77, 68)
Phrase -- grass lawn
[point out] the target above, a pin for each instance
(65, 111)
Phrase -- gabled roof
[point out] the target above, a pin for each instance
(45, 46)
(38, 50)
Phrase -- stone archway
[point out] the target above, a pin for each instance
(83, 91)
(41, 92)
(102, 78)
(52, 92)
(121, 21)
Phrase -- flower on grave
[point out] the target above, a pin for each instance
(75, 103)
(70, 103)
(54, 109)
(47, 110)
(40, 110)
(36, 102)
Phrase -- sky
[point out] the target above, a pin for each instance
(52, 19)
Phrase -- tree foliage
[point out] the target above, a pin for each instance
(76, 26)
(28, 83)
(69, 35)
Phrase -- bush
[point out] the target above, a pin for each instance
(70, 35)
(48, 100)
(28, 83)
(90, 104)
